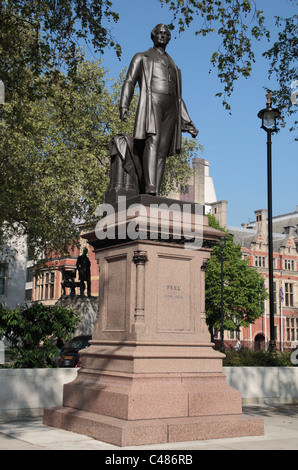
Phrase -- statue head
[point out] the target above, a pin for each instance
(161, 35)
(85, 251)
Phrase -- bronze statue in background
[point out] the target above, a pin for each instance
(161, 115)
(83, 267)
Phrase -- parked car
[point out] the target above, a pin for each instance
(69, 356)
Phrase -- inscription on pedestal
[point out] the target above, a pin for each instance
(175, 294)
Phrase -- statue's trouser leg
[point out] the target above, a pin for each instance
(82, 287)
(88, 287)
(157, 146)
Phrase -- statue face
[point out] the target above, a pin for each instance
(162, 36)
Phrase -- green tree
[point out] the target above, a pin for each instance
(238, 25)
(243, 293)
(54, 166)
(283, 67)
(50, 174)
(39, 159)
(29, 331)
(58, 118)
(48, 33)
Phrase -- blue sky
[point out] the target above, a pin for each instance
(235, 145)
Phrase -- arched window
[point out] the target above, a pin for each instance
(260, 342)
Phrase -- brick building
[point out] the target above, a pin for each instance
(252, 237)
(47, 284)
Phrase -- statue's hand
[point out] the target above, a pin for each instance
(193, 132)
(123, 113)
(191, 129)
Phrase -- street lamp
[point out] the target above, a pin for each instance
(222, 245)
(269, 116)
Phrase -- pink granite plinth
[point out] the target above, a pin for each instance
(153, 431)
(140, 409)
(150, 396)
(151, 374)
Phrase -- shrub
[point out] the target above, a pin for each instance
(246, 358)
(29, 330)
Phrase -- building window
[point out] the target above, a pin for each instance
(260, 261)
(2, 279)
(292, 329)
(290, 264)
(28, 295)
(52, 285)
(45, 286)
(289, 294)
(184, 189)
(29, 274)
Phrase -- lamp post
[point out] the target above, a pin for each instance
(268, 117)
(222, 245)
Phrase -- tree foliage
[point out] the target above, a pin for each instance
(283, 66)
(29, 330)
(54, 166)
(235, 22)
(238, 24)
(243, 293)
(47, 173)
(53, 30)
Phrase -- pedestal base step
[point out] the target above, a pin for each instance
(152, 431)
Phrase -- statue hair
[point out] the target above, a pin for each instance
(157, 26)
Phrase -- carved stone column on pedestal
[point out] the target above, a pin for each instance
(140, 259)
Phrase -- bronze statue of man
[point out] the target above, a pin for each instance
(161, 114)
(83, 266)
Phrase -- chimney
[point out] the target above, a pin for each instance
(198, 165)
(219, 210)
(261, 221)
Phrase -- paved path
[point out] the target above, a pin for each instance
(281, 433)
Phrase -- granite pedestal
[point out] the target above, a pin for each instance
(151, 374)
